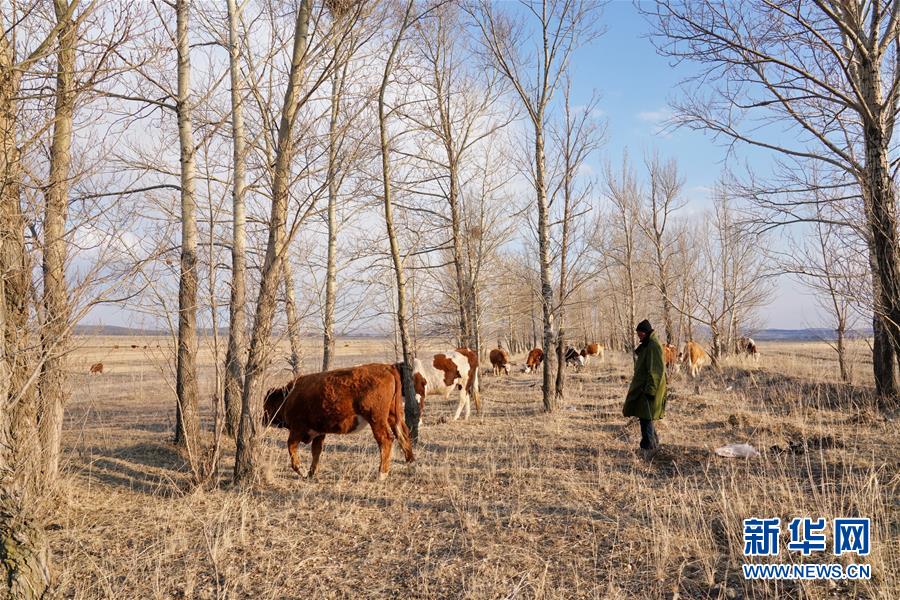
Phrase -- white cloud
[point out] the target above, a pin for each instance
(655, 116)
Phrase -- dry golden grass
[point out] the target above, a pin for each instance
(513, 503)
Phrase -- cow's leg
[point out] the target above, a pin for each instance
(317, 444)
(385, 440)
(294, 441)
(463, 402)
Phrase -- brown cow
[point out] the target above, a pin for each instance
(499, 360)
(97, 368)
(341, 401)
(670, 357)
(695, 357)
(472, 383)
(534, 360)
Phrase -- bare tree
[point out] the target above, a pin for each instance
(23, 546)
(830, 264)
(459, 112)
(663, 199)
(580, 135)
(234, 375)
(272, 274)
(622, 247)
(560, 27)
(826, 70)
(734, 276)
(54, 334)
(412, 407)
(337, 134)
(187, 416)
(30, 432)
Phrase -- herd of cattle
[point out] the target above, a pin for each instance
(346, 400)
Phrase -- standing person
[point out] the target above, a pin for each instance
(646, 397)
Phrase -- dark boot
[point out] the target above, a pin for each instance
(649, 440)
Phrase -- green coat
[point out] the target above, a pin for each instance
(647, 394)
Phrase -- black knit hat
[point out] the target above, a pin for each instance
(645, 326)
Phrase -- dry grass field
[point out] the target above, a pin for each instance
(514, 503)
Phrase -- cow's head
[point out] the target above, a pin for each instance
(451, 371)
(273, 407)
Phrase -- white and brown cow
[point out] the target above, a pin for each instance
(593, 351)
(444, 373)
(473, 384)
(574, 357)
(534, 360)
(695, 358)
(747, 346)
(499, 361)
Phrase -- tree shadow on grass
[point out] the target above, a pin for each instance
(156, 469)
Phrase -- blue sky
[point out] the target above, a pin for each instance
(635, 85)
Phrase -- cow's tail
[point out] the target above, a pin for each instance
(475, 392)
(401, 431)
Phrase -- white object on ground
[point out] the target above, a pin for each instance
(737, 451)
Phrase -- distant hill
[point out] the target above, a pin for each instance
(115, 330)
(805, 335)
(223, 331)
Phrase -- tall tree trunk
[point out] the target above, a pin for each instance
(462, 292)
(881, 215)
(234, 357)
(24, 556)
(883, 357)
(331, 265)
(293, 323)
(55, 331)
(544, 253)
(245, 470)
(187, 425)
(883, 245)
(563, 264)
(411, 406)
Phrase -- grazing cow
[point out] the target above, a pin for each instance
(748, 347)
(671, 357)
(473, 385)
(695, 357)
(592, 350)
(534, 360)
(443, 374)
(574, 358)
(97, 368)
(499, 360)
(341, 401)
